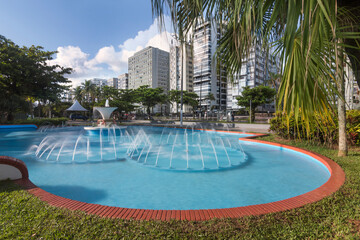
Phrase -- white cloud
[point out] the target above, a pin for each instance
(109, 61)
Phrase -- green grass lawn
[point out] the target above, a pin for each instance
(336, 217)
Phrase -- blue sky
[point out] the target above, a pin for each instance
(95, 38)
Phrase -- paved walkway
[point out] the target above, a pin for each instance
(243, 127)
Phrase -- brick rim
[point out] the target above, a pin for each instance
(14, 162)
(336, 180)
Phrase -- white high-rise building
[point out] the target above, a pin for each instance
(99, 82)
(254, 71)
(208, 78)
(123, 81)
(352, 90)
(177, 68)
(68, 96)
(112, 82)
(150, 66)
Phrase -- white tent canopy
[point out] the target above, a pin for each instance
(76, 107)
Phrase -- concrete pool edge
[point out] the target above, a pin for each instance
(336, 180)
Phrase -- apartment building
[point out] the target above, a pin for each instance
(150, 66)
(209, 76)
(112, 82)
(352, 90)
(179, 66)
(256, 70)
(99, 82)
(123, 81)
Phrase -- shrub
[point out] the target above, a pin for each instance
(42, 121)
(320, 130)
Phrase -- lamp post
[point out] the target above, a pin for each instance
(182, 77)
(250, 110)
(200, 89)
(182, 81)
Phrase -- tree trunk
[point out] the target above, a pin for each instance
(252, 117)
(177, 110)
(10, 117)
(39, 109)
(343, 149)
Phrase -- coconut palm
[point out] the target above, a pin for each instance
(88, 90)
(78, 94)
(311, 38)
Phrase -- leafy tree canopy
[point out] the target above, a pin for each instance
(149, 97)
(25, 73)
(191, 99)
(258, 96)
(124, 100)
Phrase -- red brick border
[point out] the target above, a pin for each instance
(335, 181)
(17, 164)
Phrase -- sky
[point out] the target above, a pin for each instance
(94, 37)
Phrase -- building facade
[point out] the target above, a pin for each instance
(112, 82)
(150, 66)
(209, 76)
(123, 81)
(179, 66)
(68, 96)
(352, 90)
(99, 82)
(257, 69)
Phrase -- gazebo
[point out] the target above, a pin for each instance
(76, 107)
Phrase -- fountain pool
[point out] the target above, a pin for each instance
(162, 168)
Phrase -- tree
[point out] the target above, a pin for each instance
(175, 98)
(251, 98)
(311, 37)
(25, 73)
(78, 94)
(88, 90)
(59, 108)
(124, 100)
(210, 97)
(149, 97)
(191, 99)
(108, 92)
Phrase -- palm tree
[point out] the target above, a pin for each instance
(88, 90)
(97, 94)
(78, 92)
(209, 97)
(310, 37)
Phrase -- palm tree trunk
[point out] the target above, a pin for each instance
(343, 149)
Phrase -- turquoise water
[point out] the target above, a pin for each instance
(208, 170)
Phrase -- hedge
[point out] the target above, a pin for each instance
(42, 121)
(321, 130)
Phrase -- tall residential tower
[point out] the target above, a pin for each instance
(179, 66)
(123, 81)
(149, 66)
(256, 70)
(209, 76)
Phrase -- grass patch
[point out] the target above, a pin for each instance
(335, 217)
